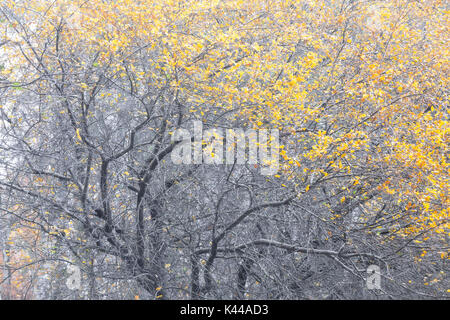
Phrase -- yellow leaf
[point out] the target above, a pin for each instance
(79, 135)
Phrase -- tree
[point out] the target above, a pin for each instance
(92, 93)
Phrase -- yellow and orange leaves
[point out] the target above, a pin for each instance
(354, 76)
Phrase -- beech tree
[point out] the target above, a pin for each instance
(92, 93)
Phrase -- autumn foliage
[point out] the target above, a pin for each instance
(92, 90)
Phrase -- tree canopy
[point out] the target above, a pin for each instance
(91, 93)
